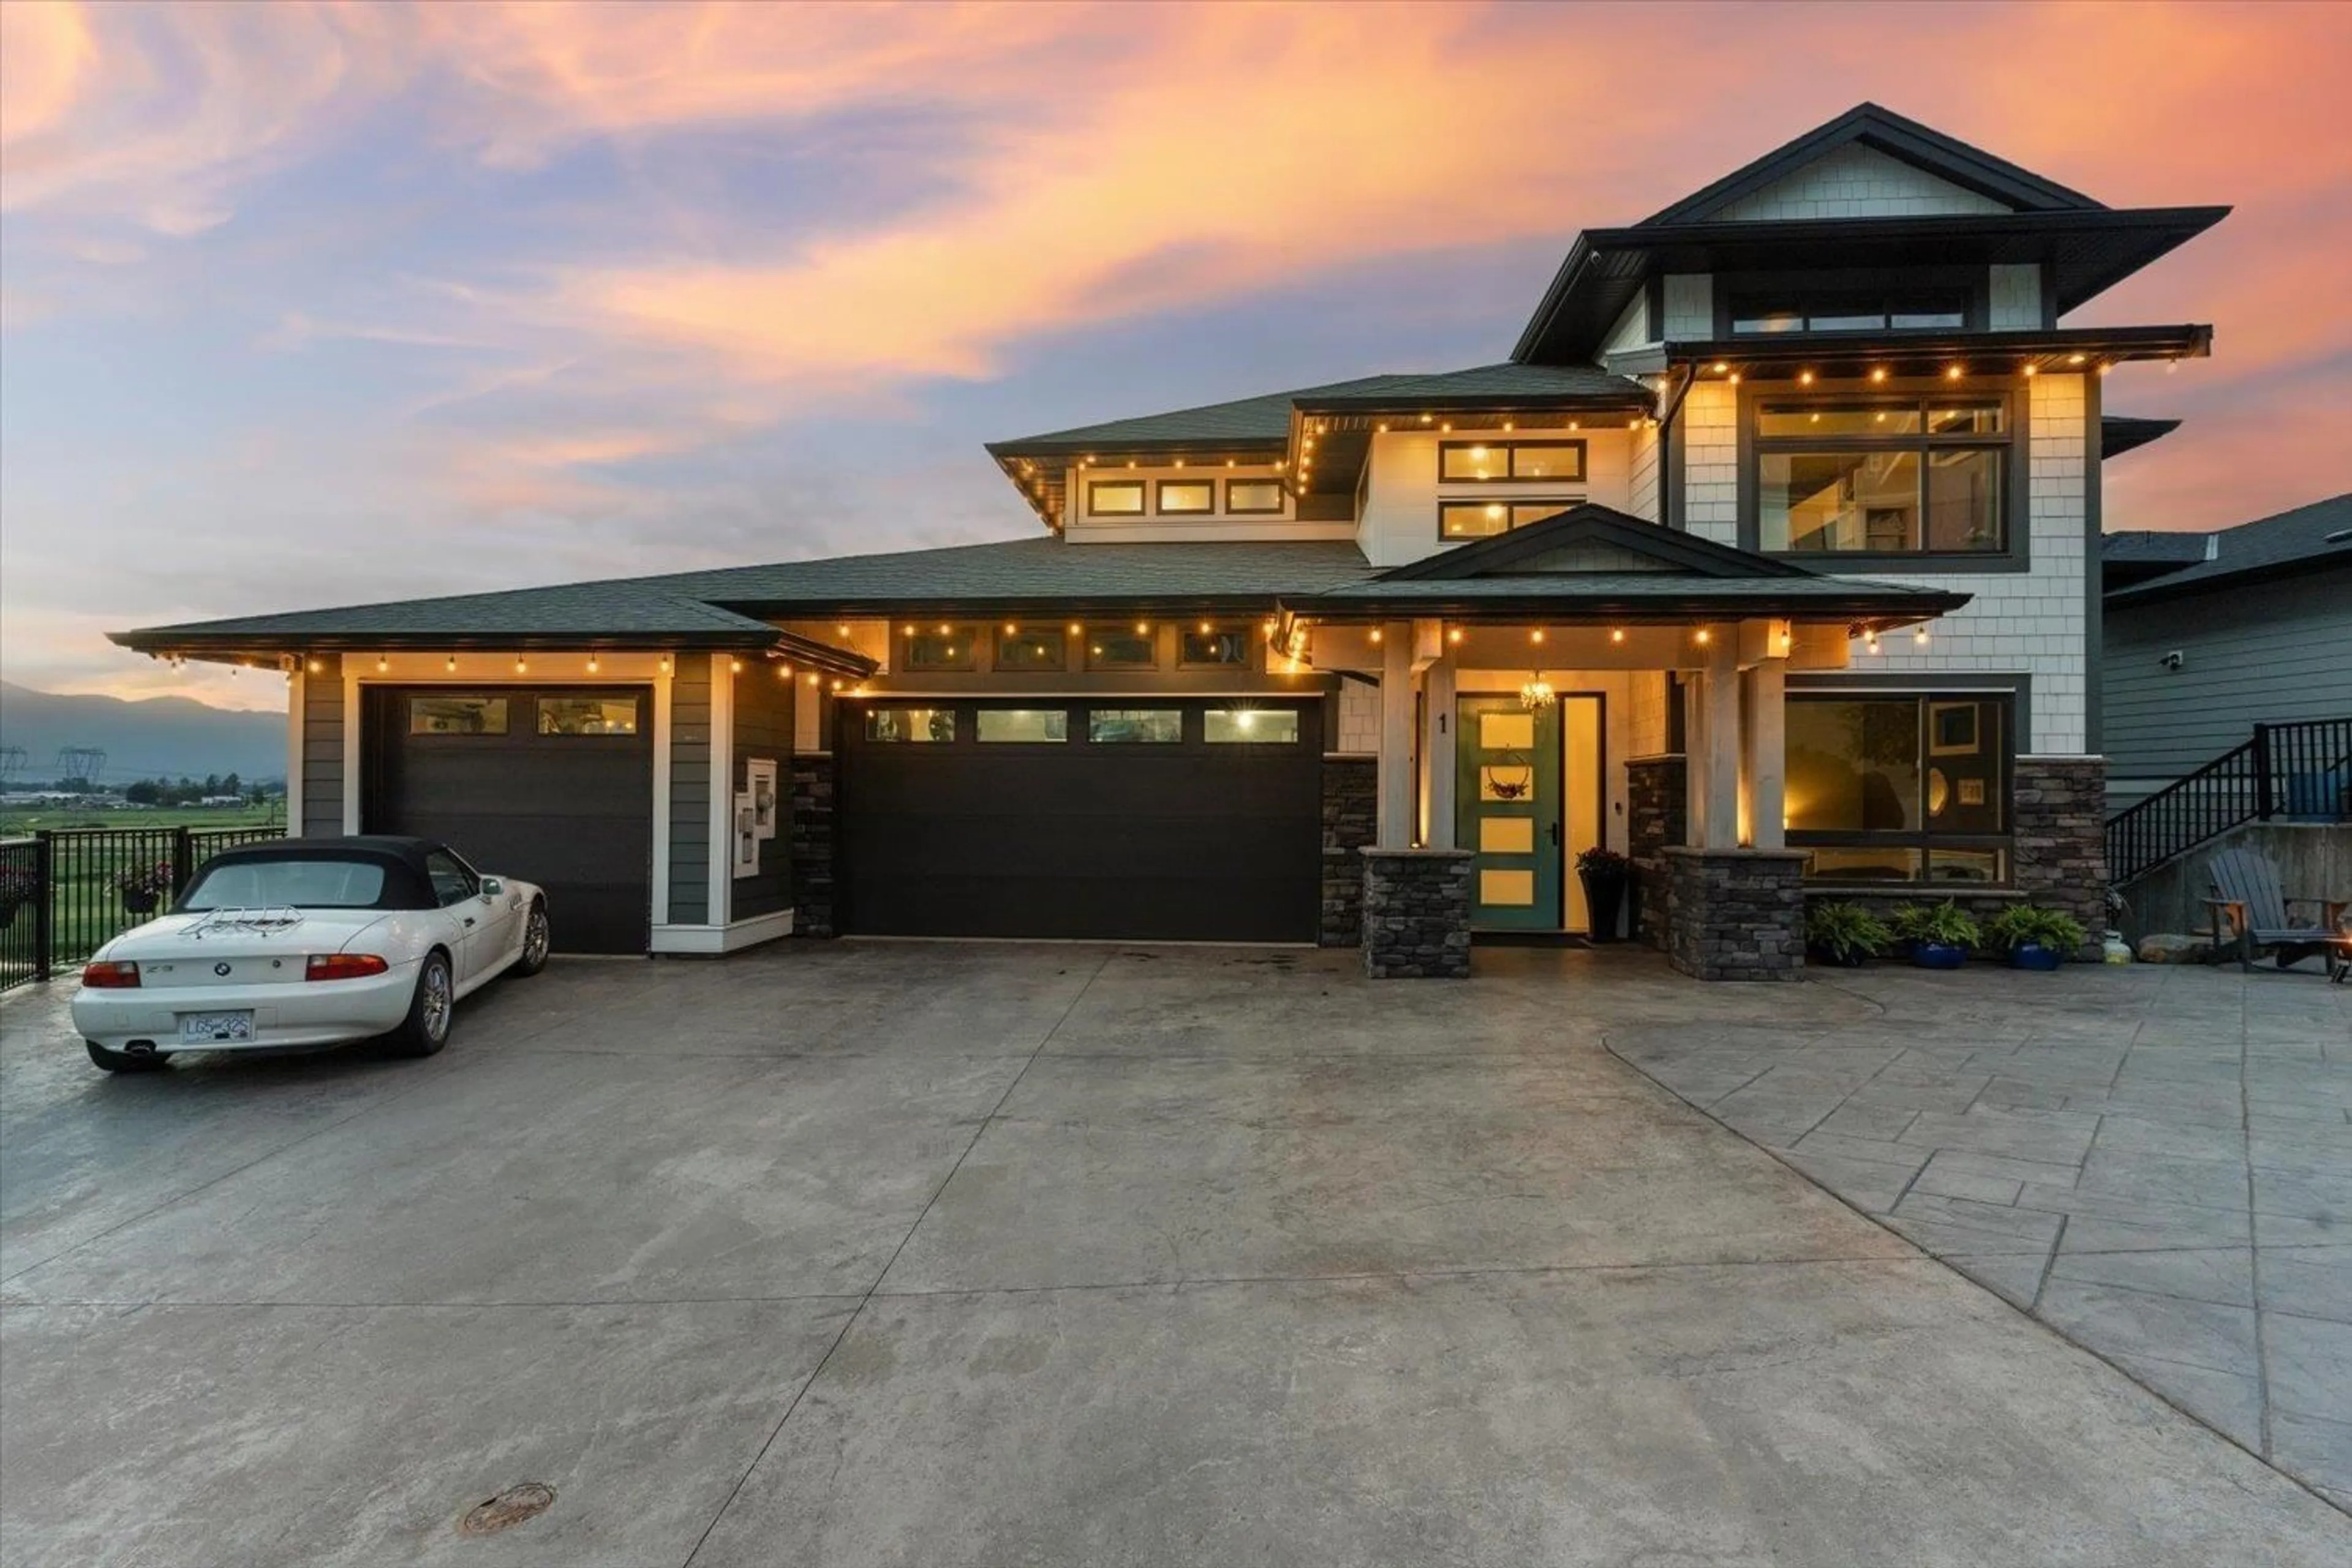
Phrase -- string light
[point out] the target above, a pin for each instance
(521, 664)
(1142, 628)
(783, 671)
(836, 683)
(1702, 637)
(592, 664)
(1870, 639)
(1879, 373)
(1735, 378)
(1617, 634)
(382, 664)
(1920, 637)
(735, 666)
(665, 664)
(2105, 368)
(315, 665)
(1453, 636)
(1075, 628)
(842, 628)
(1536, 636)
(2032, 369)
(1952, 373)
(1012, 629)
(452, 665)
(1805, 378)
(812, 678)
(2076, 359)
(1720, 367)
(1376, 633)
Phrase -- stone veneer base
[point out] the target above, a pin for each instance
(809, 826)
(1350, 820)
(1736, 914)
(1417, 914)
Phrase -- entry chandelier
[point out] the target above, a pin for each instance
(1536, 695)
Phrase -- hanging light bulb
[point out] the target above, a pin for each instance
(382, 664)
(665, 664)
(593, 664)
(1920, 637)
(452, 665)
(1376, 633)
(520, 663)
(1702, 637)
(1618, 635)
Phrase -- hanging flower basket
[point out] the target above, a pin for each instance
(143, 886)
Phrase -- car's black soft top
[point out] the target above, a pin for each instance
(407, 881)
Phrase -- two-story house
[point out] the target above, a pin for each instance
(1768, 556)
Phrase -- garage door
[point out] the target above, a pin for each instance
(552, 787)
(1127, 818)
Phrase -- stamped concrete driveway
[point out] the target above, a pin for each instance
(902, 1254)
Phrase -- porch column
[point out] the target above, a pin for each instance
(1437, 745)
(1715, 765)
(1764, 760)
(1396, 823)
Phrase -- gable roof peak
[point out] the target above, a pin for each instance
(1897, 136)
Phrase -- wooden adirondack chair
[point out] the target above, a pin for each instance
(2246, 894)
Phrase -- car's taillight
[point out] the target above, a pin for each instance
(109, 976)
(343, 966)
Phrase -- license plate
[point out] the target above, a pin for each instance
(214, 1028)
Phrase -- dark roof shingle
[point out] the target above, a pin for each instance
(2309, 537)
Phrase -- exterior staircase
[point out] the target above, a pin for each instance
(2301, 771)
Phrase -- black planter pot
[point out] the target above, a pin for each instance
(1604, 897)
(139, 903)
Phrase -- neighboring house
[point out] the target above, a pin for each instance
(1764, 557)
(2209, 633)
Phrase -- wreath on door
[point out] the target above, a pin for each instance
(1517, 789)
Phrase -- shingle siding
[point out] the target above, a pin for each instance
(2263, 653)
(1859, 182)
(690, 791)
(322, 750)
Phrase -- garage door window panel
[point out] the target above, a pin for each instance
(910, 726)
(588, 716)
(1021, 726)
(1136, 726)
(1250, 727)
(439, 715)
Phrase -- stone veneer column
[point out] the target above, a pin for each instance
(1351, 818)
(2059, 819)
(1736, 914)
(811, 825)
(1657, 814)
(1417, 913)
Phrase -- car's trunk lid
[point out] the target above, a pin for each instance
(237, 947)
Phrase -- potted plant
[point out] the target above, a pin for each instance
(143, 886)
(2035, 937)
(18, 889)
(1604, 874)
(1846, 935)
(1941, 935)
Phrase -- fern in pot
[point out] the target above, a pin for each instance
(1941, 935)
(2035, 937)
(1846, 935)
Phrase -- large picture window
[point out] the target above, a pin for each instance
(1480, 519)
(1909, 787)
(1849, 310)
(1914, 477)
(1480, 462)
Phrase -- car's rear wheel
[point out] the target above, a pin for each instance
(535, 938)
(123, 1061)
(430, 1011)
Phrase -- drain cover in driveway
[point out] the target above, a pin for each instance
(508, 1509)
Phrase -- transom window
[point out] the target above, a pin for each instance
(1115, 497)
(1851, 312)
(1479, 519)
(1253, 498)
(1135, 726)
(1480, 462)
(1909, 787)
(1029, 648)
(1180, 498)
(1898, 477)
(587, 715)
(1122, 648)
(1022, 726)
(942, 648)
(1209, 644)
(456, 715)
(1250, 726)
(918, 726)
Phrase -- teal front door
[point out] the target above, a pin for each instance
(1507, 812)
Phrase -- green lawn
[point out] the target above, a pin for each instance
(19, 821)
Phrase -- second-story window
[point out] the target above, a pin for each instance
(1486, 462)
(1914, 475)
(1115, 497)
(1849, 310)
(1479, 519)
(1254, 498)
(1181, 497)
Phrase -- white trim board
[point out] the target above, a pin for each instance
(710, 941)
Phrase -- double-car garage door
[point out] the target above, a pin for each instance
(554, 786)
(1134, 818)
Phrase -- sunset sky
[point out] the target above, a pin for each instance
(312, 304)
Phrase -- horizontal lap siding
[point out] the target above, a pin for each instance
(763, 728)
(322, 750)
(689, 792)
(2266, 653)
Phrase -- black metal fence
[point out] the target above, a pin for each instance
(2301, 771)
(64, 893)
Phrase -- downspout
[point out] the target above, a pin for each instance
(1672, 406)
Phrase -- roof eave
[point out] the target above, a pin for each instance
(1877, 610)
(2050, 349)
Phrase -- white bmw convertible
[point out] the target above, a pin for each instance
(310, 943)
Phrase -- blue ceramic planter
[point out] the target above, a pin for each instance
(2033, 955)
(1937, 956)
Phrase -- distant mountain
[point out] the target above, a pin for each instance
(169, 736)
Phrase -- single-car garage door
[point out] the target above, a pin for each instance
(554, 786)
(1132, 818)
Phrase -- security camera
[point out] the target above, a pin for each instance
(2174, 659)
